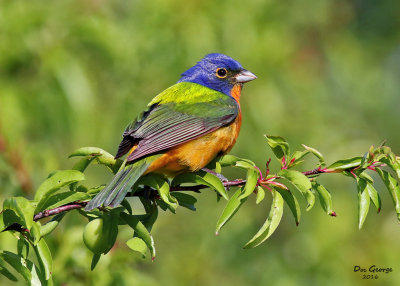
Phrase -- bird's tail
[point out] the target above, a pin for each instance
(113, 194)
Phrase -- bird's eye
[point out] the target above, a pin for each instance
(221, 72)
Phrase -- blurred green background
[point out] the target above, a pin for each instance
(74, 73)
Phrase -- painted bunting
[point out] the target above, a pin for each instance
(184, 127)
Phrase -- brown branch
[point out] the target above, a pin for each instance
(315, 172)
(151, 193)
(227, 184)
(61, 209)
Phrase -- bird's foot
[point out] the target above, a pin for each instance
(222, 178)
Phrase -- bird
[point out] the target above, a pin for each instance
(183, 128)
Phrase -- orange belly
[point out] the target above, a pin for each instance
(197, 153)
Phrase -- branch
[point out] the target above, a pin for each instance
(315, 172)
(151, 193)
(196, 188)
(256, 182)
(147, 192)
(61, 209)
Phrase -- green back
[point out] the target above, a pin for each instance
(179, 114)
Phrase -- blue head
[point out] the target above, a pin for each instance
(218, 72)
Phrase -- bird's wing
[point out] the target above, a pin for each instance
(181, 113)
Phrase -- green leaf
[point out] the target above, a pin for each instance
(230, 209)
(8, 218)
(364, 160)
(366, 177)
(298, 155)
(393, 188)
(271, 223)
(185, 200)
(100, 156)
(251, 182)
(63, 198)
(48, 228)
(7, 273)
(203, 178)
(159, 183)
(110, 223)
(316, 153)
(368, 158)
(44, 257)
(127, 206)
(23, 266)
(82, 164)
(244, 164)
(137, 244)
(140, 231)
(218, 167)
(363, 201)
(162, 205)
(51, 225)
(25, 210)
(152, 215)
(374, 195)
(228, 160)
(95, 260)
(22, 208)
(382, 150)
(325, 198)
(23, 247)
(260, 194)
(278, 145)
(302, 183)
(292, 202)
(54, 183)
(392, 163)
(345, 164)
(90, 151)
(151, 212)
(94, 191)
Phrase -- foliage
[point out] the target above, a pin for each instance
(21, 216)
(73, 73)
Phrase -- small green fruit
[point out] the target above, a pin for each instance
(95, 236)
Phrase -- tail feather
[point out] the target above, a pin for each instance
(102, 196)
(116, 188)
(114, 193)
(111, 190)
(120, 191)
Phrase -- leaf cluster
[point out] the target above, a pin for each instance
(65, 190)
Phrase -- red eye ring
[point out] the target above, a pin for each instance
(221, 73)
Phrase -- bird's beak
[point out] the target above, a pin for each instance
(245, 76)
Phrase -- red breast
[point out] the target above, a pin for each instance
(235, 93)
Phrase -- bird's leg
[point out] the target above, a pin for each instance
(218, 175)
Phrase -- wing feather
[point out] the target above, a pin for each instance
(170, 122)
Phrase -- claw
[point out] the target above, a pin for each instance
(222, 178)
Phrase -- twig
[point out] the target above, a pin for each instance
(151, 193)
(61, 209)
(315, 172)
